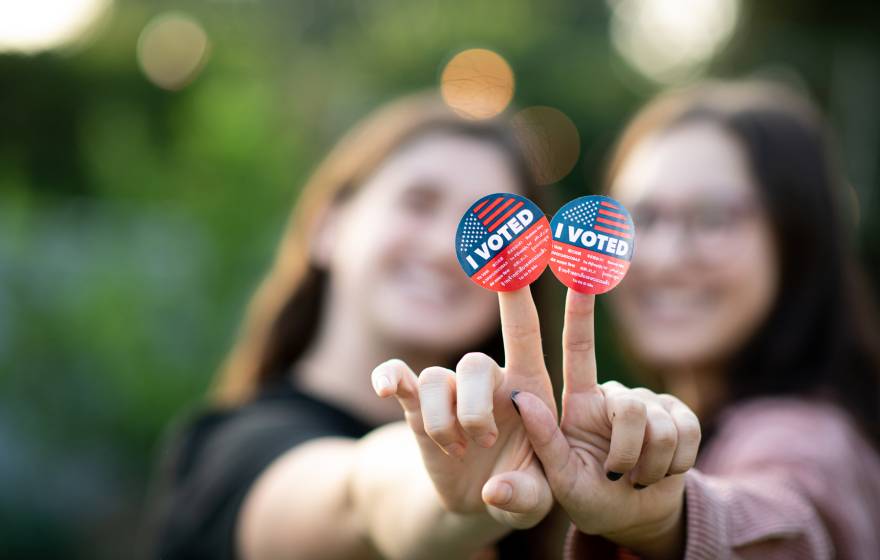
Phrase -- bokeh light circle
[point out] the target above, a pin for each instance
(670, 41)
(477, 83)
(31, 26)
(550, 141)
(172, 50)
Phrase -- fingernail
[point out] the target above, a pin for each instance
(503, 493)
(613, 475)
(513, 395)
(638, 486)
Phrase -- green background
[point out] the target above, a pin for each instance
(135, 222)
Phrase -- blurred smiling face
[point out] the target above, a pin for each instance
(393, 249)
(704, 273)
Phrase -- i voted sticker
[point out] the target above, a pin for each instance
(593, 239)
(503, 242)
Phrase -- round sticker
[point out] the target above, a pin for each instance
(593, 240)
(503, 242)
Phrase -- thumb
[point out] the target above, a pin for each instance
(546, 438)
(518, 499)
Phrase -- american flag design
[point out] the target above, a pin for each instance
(503, 241)
(593, 242)
(470, 232)
(600, 213)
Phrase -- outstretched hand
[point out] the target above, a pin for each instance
(615, 459)
(473, 444)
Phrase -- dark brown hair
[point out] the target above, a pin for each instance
(821, 336)
(283, 314)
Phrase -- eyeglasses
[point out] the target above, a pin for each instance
(707, 225)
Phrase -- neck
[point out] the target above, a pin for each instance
(338, 365)
(700, 388)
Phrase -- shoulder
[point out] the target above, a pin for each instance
(788, 430)
(212, 457)
(784, 414)
(280, 418)
(808, 454)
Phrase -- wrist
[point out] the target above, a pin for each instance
(656, 539)
(479, 528)
(398, 510)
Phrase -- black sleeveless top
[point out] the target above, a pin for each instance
(211, 461)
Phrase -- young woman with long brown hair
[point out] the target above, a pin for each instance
(291, 459)
(744, 302)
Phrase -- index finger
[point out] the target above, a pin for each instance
(521, 330)
(579, 343)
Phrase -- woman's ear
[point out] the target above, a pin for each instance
(323, 238)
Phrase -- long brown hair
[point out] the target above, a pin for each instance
(821, 336)
(283, 314)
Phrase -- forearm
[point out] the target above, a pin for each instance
(663, 539)
(398, 508)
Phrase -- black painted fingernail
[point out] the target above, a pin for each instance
(638, 486)
(613, 475)
(513, 395)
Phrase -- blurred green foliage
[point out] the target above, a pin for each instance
(135, 222)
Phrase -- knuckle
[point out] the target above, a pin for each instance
(665, 439)
(523, 331)
(690, 432)
(385, 368)
(630, 408)
(581, 310)
(612, 384)
(474, 362)
(473, 421)
(438, 427)
(623, 460)
(432, 375)
(580, 345)
(663, 434)
(395, 363)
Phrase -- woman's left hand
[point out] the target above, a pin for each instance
(615, 460)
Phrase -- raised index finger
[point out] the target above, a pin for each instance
(579, 343)
(521, 330)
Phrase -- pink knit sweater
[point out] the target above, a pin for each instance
(782, 478)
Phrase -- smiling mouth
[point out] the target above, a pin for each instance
(674, 305)
(426, 285)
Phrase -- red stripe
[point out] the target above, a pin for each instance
(505, 216)
(610, 223)
(500, 209)
(608, 204)
(612, 214)
(480, 205)
(612, 232)
(486, 211)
